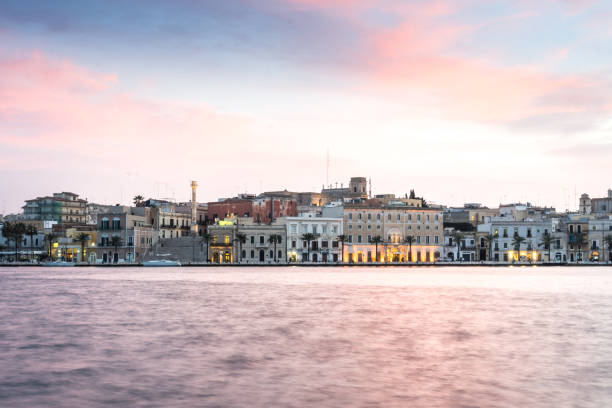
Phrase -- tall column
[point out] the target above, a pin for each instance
(194, 208)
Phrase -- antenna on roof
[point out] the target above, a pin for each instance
(327, 168)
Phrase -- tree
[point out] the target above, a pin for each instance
(206, 238)
(376, 240)
(516, 243)
(608, 241)
(50, 239)
(308, 237)
(458, 237)
(241, 239)
(342, 239)
(547, 241)
(409, 239)
(31, 231)
(2, 248)
(489, 238)
(138, 200)
(579, 241)
(116, 242)
(412, 194)
(82, 238)
(14, 232)
(275, 239)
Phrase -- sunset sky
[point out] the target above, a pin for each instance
(464, 101)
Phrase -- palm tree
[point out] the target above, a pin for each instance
(608, 241)
(376, 240)
(516, 243)
(458, 237)
(82, 238)
(308, 237)
(138, 200)
(580, 241)
(241, 239)
(489, 238)
(342, 239)
(14, 232)
(116, 242)
(31, 231)
(206, 238)
(50, 239)
(547, 241)
(274, 239)
(409, 239)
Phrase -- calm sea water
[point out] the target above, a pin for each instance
(300, 337)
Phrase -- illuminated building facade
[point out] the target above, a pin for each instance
(367, 221)
(323, 248)
(221, 247)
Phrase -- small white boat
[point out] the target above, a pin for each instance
(58, 263)
(161, 262)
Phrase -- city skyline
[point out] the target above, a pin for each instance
(461, 101)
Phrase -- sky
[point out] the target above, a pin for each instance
(464, 101)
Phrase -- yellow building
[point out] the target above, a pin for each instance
(405, 233)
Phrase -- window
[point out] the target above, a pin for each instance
(335, 244)
(252, 239)
(279, 239)
(378, 217)
(427, 239)
(409, 217)
(350, 238)
(418, 217)
(293, 229)
(399, 218)
(389, 217)
(350, 216)
(227, 239)
(418, 239)
(436, 239)
(324, 244)
(359, 238)
(271, 253)
(293, 244)
(261, 239)
(369, 216)
(359, 216)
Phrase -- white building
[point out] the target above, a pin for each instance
(323, 248)
(532, 232)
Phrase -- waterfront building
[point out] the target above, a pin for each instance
(459, 245)
(63, 208)
(124, 234)
(222, 236)
(598, 230)
(323, 245)
(519, 240)
(404, 234)
(263, 243)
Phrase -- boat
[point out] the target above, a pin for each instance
(58, 263)
(161, 262)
